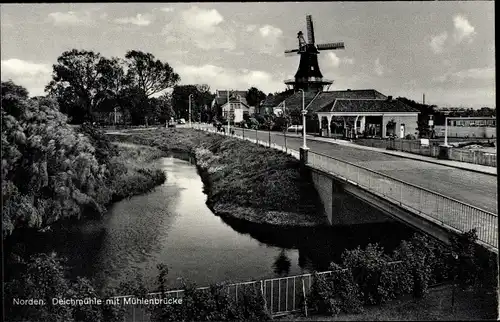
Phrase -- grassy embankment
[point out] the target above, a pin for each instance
(133, 170)
(242, 180)
(437, 305)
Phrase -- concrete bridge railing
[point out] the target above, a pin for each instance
(447, 212)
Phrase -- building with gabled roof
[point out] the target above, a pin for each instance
(232, 105)
(354, 112)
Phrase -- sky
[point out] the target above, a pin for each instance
(443, 49)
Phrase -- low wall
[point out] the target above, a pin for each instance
(342, 208)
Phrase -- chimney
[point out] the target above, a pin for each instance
(423, 99)
(389, 98)
(348, 89)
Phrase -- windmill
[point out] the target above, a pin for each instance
(308, 76)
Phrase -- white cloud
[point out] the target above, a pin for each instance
(201, 28)
(33, 76)
(463, 29)
(167, 9)
(222, 78)
(437, 42)
(250, 28)
(379, 69)
(269, 31)
(201, 19)
(487, 73)
(70, 18)
(138, 20)
(335, 61)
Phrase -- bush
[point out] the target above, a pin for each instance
(42, 277)
(368, 267)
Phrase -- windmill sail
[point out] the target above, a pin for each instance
(310, 30)
(336, 45)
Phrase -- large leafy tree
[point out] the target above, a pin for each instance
(148, 73)
(200, 101)
(83, 78)
(49, 171)
(255, 96)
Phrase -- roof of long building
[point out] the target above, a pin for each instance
(364, 100)
(367, 106)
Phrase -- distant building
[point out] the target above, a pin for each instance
(354, 112)
(236, 108)
(469, 127)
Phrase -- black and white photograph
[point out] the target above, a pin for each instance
(249, 161)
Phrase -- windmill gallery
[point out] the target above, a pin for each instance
(345, 113)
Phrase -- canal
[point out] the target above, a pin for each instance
(173, 225)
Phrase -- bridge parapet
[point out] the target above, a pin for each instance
(431, 206)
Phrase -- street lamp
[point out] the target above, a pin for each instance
(304, 112)
(190, 109)
(228, 115)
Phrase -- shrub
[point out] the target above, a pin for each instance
(418, 258)
(368, 268)
(42, 277)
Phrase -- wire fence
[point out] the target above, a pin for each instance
(445, 211)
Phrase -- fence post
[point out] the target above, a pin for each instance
(305, 297)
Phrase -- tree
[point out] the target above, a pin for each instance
(80, 76)
(201, 98)
(423, 116)
(149, 74)
(255, 96)
(11, 94)
(49, 172)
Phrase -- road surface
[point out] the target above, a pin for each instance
(474, 188)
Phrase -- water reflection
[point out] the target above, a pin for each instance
(173, 225)
(282, 264)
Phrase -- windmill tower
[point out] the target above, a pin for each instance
(308, 76)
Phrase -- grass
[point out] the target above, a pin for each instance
(437, 305)
(242, 180)
(133, 171)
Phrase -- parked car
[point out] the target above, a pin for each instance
(181, 121)
(295, 128)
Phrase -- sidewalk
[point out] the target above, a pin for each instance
(450, 163)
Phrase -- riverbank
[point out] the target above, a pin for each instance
(242, 180)
(133, 172)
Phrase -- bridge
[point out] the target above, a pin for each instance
(436, 199)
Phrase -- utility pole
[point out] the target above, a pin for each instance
(304, 112)
(190, 109)
(228, 114)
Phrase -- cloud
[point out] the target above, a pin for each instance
(477, 74)
(222, 78)
(70, 18)
(269, 31)
(167, 9)
(250, 28)
(138, 20)
(379, 69)
(201, 28)
(335, 61)
(201, 19)
(268, 40)
(437, 42)
(33, 76)
(463, 29)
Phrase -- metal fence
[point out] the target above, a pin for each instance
(411, 146)
(432, 206)
(281, 295)
(445, 211)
